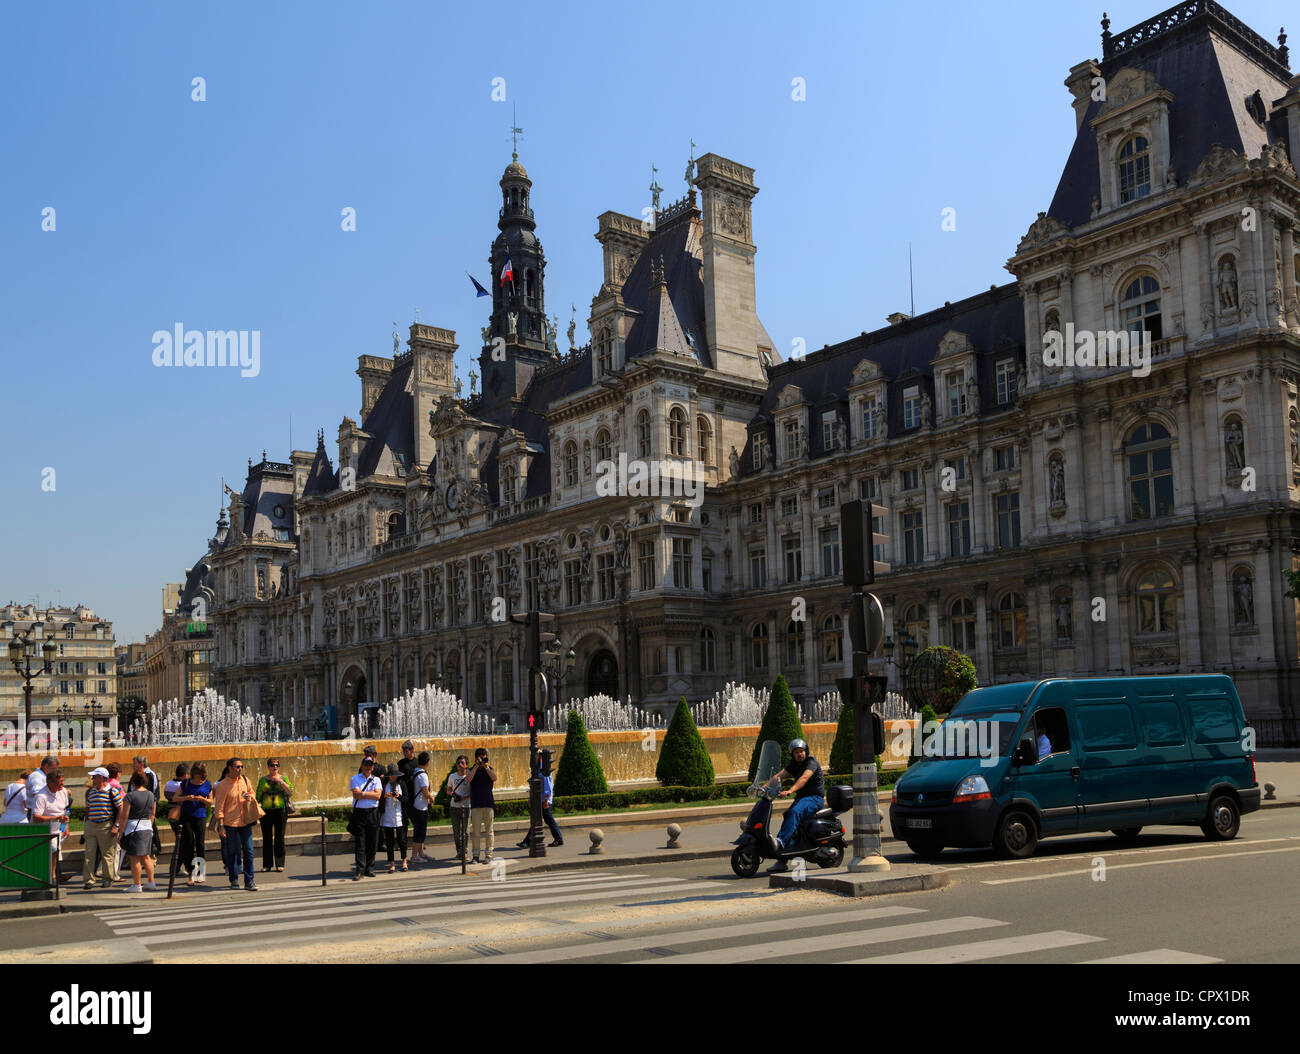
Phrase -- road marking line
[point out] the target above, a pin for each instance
(1144, 863)
(607, 946)
(1160, 956)
(820, 945)
(964, 953)
(1128, 851)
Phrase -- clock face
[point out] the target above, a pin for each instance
(452, 500)
(279, 512)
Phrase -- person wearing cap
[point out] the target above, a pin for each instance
(373, 754)
(103, 803)
(392, 815)
(406, 766)
(37, 778)
(366, 791)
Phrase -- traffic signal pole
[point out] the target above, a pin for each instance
(539, 634)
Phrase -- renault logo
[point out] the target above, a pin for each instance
(920, 799)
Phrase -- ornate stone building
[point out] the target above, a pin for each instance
(83, 685)
(1045, 518)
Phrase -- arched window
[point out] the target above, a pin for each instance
(708, 651)
(704, 434)
(794, 643)
(1052, 321)
(1013, 619)
(570, 464)
(1155, 602)
(396, 526)
(643, 433)
(1140, 306)
(759, 640)
(451, 672)
(603, 452)
(961, 624)
(833, 639)
(530, 286)
(604, 352)
(916, 624)
(677, 432)
(1149, 457)
(1134, 170)
(507, 484)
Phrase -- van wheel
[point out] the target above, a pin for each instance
(1127, 835)
(925, 850)
(1017, 834)
(1223, 821)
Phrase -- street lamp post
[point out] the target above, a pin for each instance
(906, 659)
(22, 650)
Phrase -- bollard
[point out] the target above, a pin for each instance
(674, 833)
(1270, 792)
(322, 849)
(597, 836)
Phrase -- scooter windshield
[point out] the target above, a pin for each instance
(769, 763)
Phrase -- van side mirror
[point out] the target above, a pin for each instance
(1026, 753)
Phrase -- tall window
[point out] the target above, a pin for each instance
(916, 624)
(959, 528)
(704, 439)
(1155, 602)
(830, 430)
(794, 643)
(911, 407)
(573, 582)
(913, 536)
(570, 464)
(603, 450)
(1007, 507)
(1006, 381)
(643, 433)
(708, 651)
(1149, 456)
(833, 639)
(681, 563)
(1140, 306)
(605, 575)
(792, 550)
(790, 430)
(958, 466)
(1134, 170)
(830, 542)
(909, 479)
(759, 641)
(507, 484)
(478, 576)
(870, 408)
(706, 574)
(604, 352)
(532, 573)
(758, 567)
(646, 564)
(957, 393)
(677, 432)
(1004, 458)
(1013, 617)
(961, 622)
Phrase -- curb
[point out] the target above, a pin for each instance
(848, 884)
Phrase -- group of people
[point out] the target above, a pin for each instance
(386, 800)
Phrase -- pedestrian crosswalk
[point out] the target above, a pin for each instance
(607, 916)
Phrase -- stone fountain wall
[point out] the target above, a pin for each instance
(320, 770)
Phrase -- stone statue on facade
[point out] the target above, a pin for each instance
(735, 464)
(1243, 595)
(552, 328)
(1227, 283)
(473, 383)
(1057, 470)
(397, 341)
(487, 334)
(1234, 445)
(573, 327)
(1064, 619)
(512, 322)
(803, 441)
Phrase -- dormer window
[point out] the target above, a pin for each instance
(604, 352)
(870, 410)
(957, 393)
(912, 407)
(507, 484)
(571, 464)
(1134, 170)
(1141, 306)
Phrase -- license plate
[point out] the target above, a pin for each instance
(920, 823)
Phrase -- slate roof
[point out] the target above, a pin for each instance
(391, 423)
(321, 478)
(994, 321)
(269, 487)
(678, 243)
(1211, 68)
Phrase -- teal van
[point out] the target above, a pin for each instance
(1014, 763)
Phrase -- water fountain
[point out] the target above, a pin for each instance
(208, 717)
(736, 704)
(430, 711)
(602, 713)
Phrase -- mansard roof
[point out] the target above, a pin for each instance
(1211, 64)
(677, 242)
(994, 321)
(391, 424)
(268, 498)
(321, 478)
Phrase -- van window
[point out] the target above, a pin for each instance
(1051, 722)
(1162, 722)
(1108, 726)
(1213, 717)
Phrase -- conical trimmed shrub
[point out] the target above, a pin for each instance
(781, 723)
(683, 759)
(579, 771)
(841, 760)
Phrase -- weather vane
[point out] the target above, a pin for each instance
(515, 133)
(655, 188)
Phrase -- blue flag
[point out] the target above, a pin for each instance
(481, 290)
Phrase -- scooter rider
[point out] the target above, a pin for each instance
(809, 795)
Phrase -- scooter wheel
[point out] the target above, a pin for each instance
(745, 861)
(834, 860)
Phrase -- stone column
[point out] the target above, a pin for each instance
(1266, 618)
(1114, 616)
(1205, 265)
(983, 651)
(1292, 311)
(932, 613)
(1111, 501)
(1187, 490)
(978, 512)
(1190, 623)
(1273, 306)
(930, 483)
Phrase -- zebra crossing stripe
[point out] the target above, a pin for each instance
(1157, 956)
(819, 946)
(964, 953)
(608, 946)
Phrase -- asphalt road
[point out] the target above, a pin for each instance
(1174, 897)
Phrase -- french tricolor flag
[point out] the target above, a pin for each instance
(507, 273)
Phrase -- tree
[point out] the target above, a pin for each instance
(579, 771)
(939, 677)
(781, 723)
(683, 760)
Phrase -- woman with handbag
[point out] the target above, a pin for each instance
(236, 811)
(195, 800)
(273, 792)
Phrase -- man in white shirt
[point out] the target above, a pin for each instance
(366, 792)
(37, 779)
(53, 806)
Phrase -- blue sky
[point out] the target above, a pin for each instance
(225, 214)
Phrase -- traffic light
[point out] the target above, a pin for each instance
(540, 634)
(859, 541)
(534, 721)
(866, 622)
